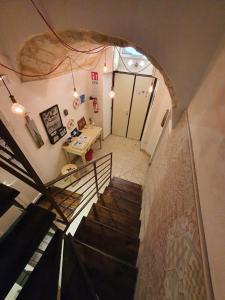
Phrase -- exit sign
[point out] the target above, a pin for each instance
(94, 75)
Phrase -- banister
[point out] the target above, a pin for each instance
(85, 186)
(52, 182)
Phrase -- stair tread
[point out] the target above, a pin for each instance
(7, 197)
(67, 206)
(43, 281)
(111, 278)
(112, 199)
(108, 240)
(119, 194)
(115, 219)
(19, 243)
(128, 187)
(75, 281)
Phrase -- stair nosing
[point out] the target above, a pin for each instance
(118, 260)
(112, 228)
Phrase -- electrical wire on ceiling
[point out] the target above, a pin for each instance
(52, 70)
(35, 75)
(86, 69)
(91, 51)
(69, 47)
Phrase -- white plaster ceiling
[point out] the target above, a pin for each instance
(180, 37)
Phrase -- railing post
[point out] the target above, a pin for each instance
(110, 166)
(96, 178)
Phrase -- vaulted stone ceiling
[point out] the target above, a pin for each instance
(41, 53)
(180, 37)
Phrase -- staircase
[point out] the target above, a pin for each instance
(98, 262)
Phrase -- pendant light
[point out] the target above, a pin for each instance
(75, 93)
(105, 69)
(16, 107)
(112, 93)
(150, 88)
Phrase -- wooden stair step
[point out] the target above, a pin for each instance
(61, 197)
(113, 201)
(108, 239)
(75, 281)
(124, 195)
(43, 281)
(113, 218)
(19, 243)
(64, 200)
(112, 278)
(7, 198)
(128, 187)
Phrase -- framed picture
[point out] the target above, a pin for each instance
(53, 123)
(81, 123)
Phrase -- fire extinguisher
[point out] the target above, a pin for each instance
(95, 105)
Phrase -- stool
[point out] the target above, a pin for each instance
(68, 168)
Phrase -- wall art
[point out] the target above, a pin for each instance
(32, 128)
(53, 124)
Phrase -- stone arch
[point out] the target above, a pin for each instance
(42, 51)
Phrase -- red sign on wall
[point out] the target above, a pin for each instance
(94, 75)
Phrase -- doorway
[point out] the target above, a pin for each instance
(131, 103)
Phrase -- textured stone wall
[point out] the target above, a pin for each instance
(171, 264)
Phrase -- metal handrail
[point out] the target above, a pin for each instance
(83, 188)
(59, 178)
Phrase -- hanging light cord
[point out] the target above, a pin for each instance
(2, 79)
(49, 72)
(92, 68)
(36, 75)
(71, 68)
(91, 51)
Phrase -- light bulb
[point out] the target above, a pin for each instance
(130, 62)
(142, 63)
(112, 94)
(17, 108)
(75, 93)
(105, 69)
(150, 89)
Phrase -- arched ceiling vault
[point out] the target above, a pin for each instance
(40, 53)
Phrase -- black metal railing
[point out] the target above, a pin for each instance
(68, 194)
(75, 190)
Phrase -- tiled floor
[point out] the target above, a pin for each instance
(129, 162)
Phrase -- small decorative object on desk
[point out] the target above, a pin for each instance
(81, 142)
(91, 123)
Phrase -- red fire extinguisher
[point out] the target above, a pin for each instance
(95, 105)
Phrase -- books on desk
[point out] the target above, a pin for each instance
(82, 141)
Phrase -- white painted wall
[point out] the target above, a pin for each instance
(36, 97)
(153, 129)
(207, 121)
(100, 90)
(107, 104)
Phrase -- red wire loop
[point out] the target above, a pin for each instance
(60, 39)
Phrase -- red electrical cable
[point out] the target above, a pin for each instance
(38, 75)
(60, 39)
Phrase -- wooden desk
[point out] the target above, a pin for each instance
(94, 134)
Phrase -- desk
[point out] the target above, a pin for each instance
(93, 134)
